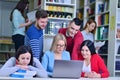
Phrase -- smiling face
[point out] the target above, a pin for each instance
(24, 59)
(42, 23)
(85, 52)
(73, 29)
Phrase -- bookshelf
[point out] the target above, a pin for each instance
(60, 12)
(6, 7)
(80, 12)
(107, 15)
(114, 39)
(6, 48)
(97, 10)
(6, 45)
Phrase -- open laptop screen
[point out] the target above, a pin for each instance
(67, 69)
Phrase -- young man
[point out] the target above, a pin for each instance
(74, 38)
(34, 35)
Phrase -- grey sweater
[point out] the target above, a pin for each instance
(10, 67)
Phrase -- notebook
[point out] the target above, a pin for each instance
(67, 69)
(31, 15)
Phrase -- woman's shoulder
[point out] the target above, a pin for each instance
(48, 53)
(83, 31)
(96, 56)
(13, 59)
(16, 11)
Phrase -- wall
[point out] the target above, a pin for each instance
(0, 18)
(5, 24)
(77, 4)
(47, 42)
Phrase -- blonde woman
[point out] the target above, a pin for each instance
(56, 52)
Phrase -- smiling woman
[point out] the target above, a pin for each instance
(93, 66)
(21, 64)
(57, 51)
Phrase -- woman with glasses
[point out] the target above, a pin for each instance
(56, 52)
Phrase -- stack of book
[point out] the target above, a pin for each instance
(23, 74)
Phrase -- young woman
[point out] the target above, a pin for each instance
(22, 61)
(19, 23)
(93, 66)
(57, 51)
(89, 30)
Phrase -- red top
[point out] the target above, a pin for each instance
(97, 65)
(73, 44)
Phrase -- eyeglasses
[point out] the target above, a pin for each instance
(59, 45)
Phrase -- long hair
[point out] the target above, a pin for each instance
(89, 22)
(58, 37)
(22, 50)
(90, 45)
(21, 5)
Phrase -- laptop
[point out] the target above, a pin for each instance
(67, 69)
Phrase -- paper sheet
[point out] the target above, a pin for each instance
(31, 15)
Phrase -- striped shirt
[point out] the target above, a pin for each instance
(34, 39)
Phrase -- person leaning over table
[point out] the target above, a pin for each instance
(74, 38)
(93, 66)
(22, 61)
(56, 52)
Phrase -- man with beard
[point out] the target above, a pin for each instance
(34, 35)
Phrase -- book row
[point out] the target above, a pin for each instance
(60, 1)
(103, 19)
(54, 14)
(59, 8)
(53, 27)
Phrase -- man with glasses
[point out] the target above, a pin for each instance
(74, 38)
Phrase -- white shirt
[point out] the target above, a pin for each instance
(86, 68)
